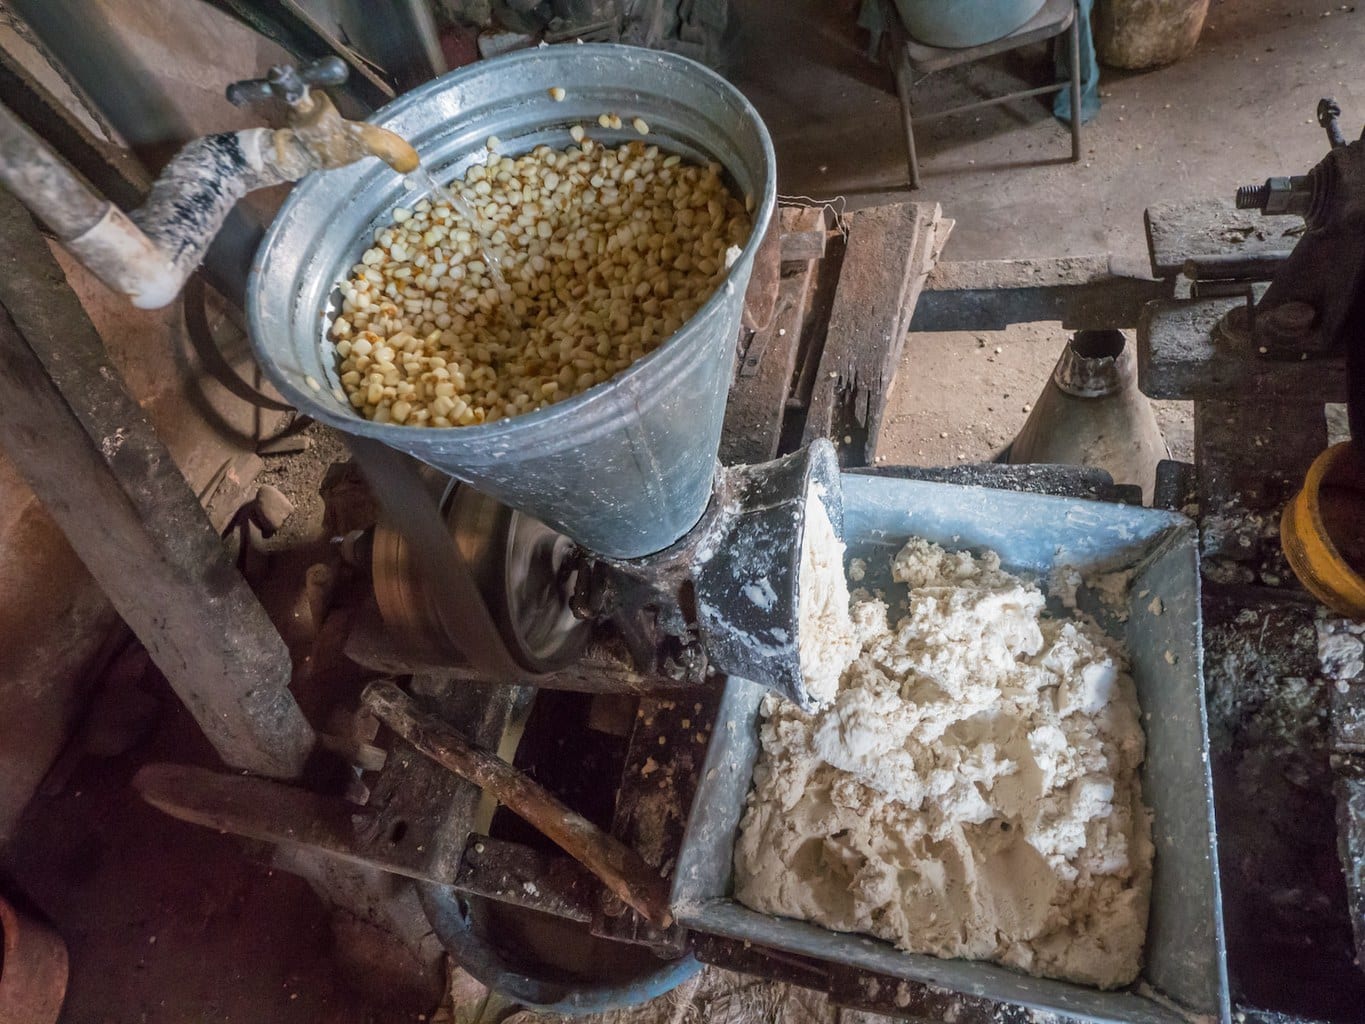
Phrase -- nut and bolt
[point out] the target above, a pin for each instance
(1278, 195)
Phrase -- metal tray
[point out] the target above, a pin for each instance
(1185, 970)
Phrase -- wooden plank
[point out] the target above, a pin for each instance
(760, 298)
(1177, 232)
(758, 398)
(1179, 357)
(804, 234)
(668, 743)
(270, 812)
(512, 873)
(92, 457)
(889, 254)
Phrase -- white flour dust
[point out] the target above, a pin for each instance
(825, 641)
(971, 790)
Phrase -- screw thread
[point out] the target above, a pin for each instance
(1252, 197)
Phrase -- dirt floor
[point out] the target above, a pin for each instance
(167, 923)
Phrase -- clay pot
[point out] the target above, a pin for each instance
(1139, 34)
(34, 969)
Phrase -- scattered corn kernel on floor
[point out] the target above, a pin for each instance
(168, 923)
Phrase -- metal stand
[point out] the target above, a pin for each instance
(911, 61)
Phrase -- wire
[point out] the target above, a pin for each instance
(838, 213)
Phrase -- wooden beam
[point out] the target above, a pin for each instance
(889, 254)
(104, 476)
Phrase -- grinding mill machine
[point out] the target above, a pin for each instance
(606, 505)
(594, 545)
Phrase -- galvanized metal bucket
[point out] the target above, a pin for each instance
(1184, 974)
(625, 468)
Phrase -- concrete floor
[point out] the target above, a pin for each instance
(187, 942)
(1240, 109)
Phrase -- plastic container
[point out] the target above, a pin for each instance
(961, 23)
(1321, 531)
(625, 468)
(1184, 971)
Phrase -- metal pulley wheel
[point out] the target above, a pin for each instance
(523, 569)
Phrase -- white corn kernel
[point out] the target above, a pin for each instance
(640, 125)
(557, 94)
(568, 267)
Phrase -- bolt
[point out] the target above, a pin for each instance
(1328, 112)
(1253, 197)
(1278, 195)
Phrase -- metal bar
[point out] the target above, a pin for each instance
(1082, 292)
(512, 873)
(90, 455)
(1074, 38)
(619, 867)
(266, 811)
(1235, 266)
(992, 102)
(905, 84)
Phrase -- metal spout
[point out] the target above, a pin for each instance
(1091, 413)
(332, 141)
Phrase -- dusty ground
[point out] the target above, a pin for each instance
(962, 396)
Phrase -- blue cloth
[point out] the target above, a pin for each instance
(1090, 71)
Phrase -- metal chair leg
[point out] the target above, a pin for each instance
(901, 69)
(1076, 85)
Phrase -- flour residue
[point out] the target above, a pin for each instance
(970, 791)
(825, 642)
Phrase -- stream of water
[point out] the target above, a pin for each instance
(425, 185)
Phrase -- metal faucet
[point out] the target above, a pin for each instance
(314, 123)
(149, 253)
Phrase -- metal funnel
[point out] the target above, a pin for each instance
(1091, 413)
(624, 469)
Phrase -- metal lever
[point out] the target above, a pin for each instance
(623, 871)
(289, 83)
(1328, 113)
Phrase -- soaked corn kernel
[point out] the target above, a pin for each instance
(582, 261)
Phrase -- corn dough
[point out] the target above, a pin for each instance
(972, 789)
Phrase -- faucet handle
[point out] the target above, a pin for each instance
(289, 83)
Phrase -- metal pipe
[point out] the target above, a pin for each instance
(98, 233)
(149, 254)
(38, 176)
